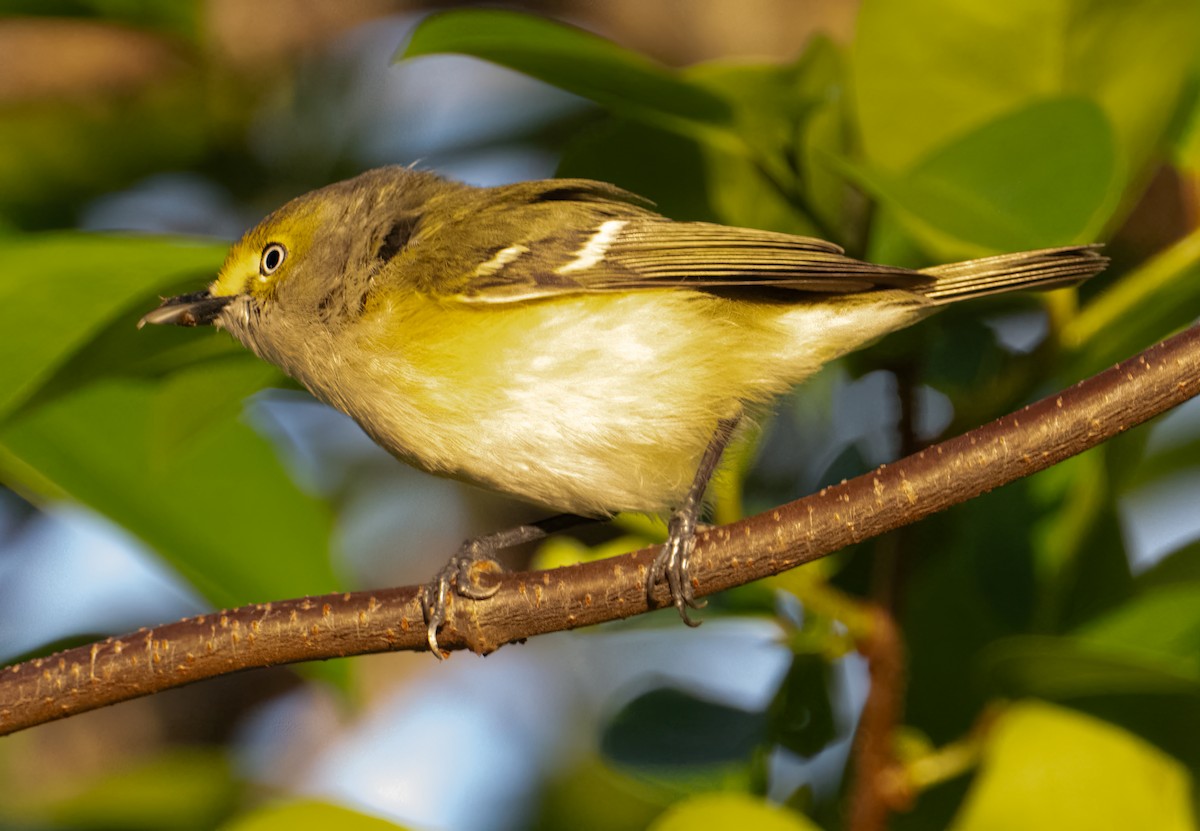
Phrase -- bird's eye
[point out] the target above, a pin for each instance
(272, 258)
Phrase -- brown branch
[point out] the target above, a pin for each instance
(532, 603)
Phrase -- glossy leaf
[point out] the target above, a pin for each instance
(220, 507)
(929, 71)
(59, 291)
(1045, 767)
(570, 58)
(1036, 177)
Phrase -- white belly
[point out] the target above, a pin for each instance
(586, 404)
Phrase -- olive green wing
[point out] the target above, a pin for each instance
(543, 239)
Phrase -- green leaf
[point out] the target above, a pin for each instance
(659, 164)
(169, 462)
(1182, 566)
(927, 71)
(1163, 621)
(669, 727)
(1160, 295)
(308, 815)
(801, 714)
(60, 291)
(220, 507)
(572, 59)
(1155, 696)
(1039, 176)
(789, 117)
(729, 810)
(1067, 668)
(1048, 768)
(975, 582)
(175, 790)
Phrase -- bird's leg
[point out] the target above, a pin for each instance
(458, 572)
(672, 561)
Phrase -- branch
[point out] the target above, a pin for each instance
(531, 603)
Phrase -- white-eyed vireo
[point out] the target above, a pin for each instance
(559, 340)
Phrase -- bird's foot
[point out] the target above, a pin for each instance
(461, 575)
(672, 564)
(475, 558)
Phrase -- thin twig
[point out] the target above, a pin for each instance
(531, 603)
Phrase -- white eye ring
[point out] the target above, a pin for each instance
(272, 258)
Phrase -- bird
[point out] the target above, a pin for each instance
(559, 340)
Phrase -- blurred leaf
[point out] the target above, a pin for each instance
(1035, 177)
(1165, 620)
(188, 403)
(220, 508)
(687, 179)
(1157, 696)
(121, 350)
(57, 157)
(801, 714)
(1070, 667)
(625, 82)
(667, 726)
(1144, 306)
(308, 815)
(1182, 566)
(59, 291)
(180, 17)
(1082, 566)
(790, 117)
(729, 810)
(172, 790)
(1161, 464)
(1049, 768)
(1186, 140)
(147, 457)
(928, 71)
(656, 163)
(593, 796)
(972, 580)
(776, 186)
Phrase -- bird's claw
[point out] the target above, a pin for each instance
(461, 574)
(672, 564)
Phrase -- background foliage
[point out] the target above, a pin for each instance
(1052, 629)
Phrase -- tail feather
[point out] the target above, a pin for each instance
(1045, 268)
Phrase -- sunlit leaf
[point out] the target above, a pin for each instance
(729, 810)
(1036, 177)
(1146, 305)
(221, 507)
(58, 291)
(929, 71)
(570, 58)
(308, 815)
(1048, 768)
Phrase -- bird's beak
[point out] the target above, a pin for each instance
(196, 309)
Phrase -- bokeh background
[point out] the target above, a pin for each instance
(1051, 630)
